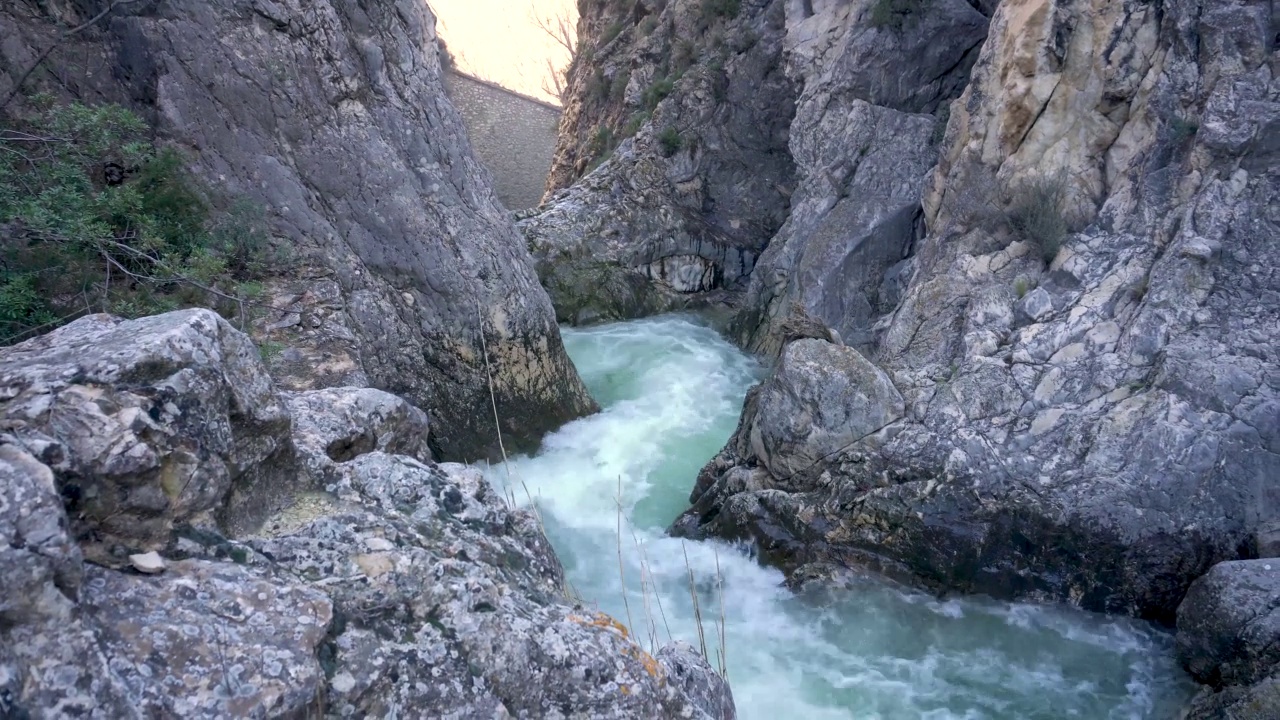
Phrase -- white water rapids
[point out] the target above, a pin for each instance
(671, 390)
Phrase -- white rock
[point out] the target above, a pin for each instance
(149, 563)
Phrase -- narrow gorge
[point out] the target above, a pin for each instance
(883, 359)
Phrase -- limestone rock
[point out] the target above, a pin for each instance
(147, 423)
(38, 559)
(1229, 623)
(1112, 436)
(333, 117)
(821, 399)
(148, 563)
(335, 425)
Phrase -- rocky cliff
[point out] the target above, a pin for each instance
(331, 115)
(684, 106)
(180, 539)
(1071, 392)
(1023, 302)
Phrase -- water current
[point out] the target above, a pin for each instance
(671, 390)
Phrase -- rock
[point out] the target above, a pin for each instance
(148, 563)
(335, 425)
(821, 399)
(1256, 702)
(863, 139)
(1105, 452)
(450, 604)
(39, 561)
(665, 229)
(147, 423)
(416, 214)
(1229, 624)
(384, 584)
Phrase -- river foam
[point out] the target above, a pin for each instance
(672, 390)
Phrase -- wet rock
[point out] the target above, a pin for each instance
(147, 423)
(1229, 623)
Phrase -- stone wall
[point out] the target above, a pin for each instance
(513, 134)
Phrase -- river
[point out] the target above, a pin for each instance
(671, 389)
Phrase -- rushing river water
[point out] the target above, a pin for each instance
(671, 390)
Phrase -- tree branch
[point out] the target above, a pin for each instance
(22, 79)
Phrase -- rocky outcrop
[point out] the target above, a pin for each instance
(1083, 340)
(685, 109)
(333, 116)
(864, 137)
(1229, 638)
(382, 583)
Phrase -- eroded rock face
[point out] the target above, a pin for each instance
(1096, 422)
(333, 116)
(147, 423)
(381, 582)
(678, 213)
(864, 137)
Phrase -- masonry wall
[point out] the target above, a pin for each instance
(513, 135)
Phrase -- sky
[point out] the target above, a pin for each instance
(500, 41)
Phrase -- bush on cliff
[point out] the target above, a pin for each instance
(94, 217)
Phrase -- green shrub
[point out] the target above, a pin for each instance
(1183, 129)
(897, 14)
(671, 141)
(1036, 213)
(602, 142)
(657, 92)
(633, 125)
(720, 8)
(648, 25)
(94, 217)
(618, 89)
(610, 33)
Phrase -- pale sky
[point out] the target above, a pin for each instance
(499, 40)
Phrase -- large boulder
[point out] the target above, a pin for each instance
(147, 423)
(1229, 623)
(408, 272)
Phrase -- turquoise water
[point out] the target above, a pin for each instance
(671, 390)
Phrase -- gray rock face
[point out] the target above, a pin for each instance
(333, 116)
(685, 206)
(147, 423)
(1096, 421)
(380, 584)
(821, 399)
(1229, 623)
(863, 140)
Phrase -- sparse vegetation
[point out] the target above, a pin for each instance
(618, 88)
(610, 33)
(712, 9)
(671, 141)
(897, 14)
(603, 141)
(95, 218)
(647, 25)
(1036, 213)
(1183, 129)
(657, 92)
(633, 125)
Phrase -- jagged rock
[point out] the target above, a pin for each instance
(1255, 702)
(383, 583)
(147, 423)
(335, 425)
(1109, 440)
(333, 116)
(657, 227)
(821, 399)
(863, 140)
(40, 563)
(450, 604)
(1229, 623)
